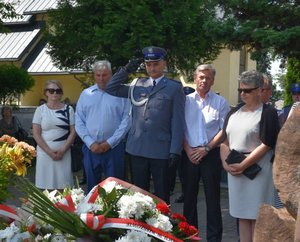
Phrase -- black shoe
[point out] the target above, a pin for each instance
(179, 199)
(82, 182)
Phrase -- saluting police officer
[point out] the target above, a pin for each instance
(156, 135)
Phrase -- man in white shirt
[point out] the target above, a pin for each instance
(205, 112)
(102, 121)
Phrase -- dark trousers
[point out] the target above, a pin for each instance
(143, 168)
(181, 170)
(209, 170)
(110, 163)
(176, 169)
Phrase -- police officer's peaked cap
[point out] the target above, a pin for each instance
(153, 53)
(295, 87)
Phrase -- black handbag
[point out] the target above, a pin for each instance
(237, 157)
(21, 134)
(76, 157)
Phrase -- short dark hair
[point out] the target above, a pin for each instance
(5, 108)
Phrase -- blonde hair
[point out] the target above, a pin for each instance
(56, 82)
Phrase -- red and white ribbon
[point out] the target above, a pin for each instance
(8, 212)
(66, 204)
(140, 226)
(94, 222)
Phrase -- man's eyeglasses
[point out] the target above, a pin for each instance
(57, 91)
(246, 90)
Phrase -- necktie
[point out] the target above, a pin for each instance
(154, 83)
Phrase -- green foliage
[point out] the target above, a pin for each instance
(13, 81)
(5, 181)
(42, 208)
(264, 60)
(260, 25)
(292, 76)
(6, 11)
(118, 30)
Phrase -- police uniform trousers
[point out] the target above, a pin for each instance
(209, 170)
(110, 164)
(143, 169)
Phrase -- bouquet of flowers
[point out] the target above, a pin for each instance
(112, 211)
(15, 157)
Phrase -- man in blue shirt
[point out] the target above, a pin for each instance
(102, 121)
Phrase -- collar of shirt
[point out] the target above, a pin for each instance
(95, 87)
(156, 80)
(207, 96)
(203, 101)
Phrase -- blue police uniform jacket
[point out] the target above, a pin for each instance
(158, 124)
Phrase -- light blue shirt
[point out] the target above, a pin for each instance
(204, 118)
(157, 80)
(101, 117)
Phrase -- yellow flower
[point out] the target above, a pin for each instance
(15, 156)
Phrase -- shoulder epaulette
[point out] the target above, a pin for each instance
(176, 81)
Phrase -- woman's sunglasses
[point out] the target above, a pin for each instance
(246, 90)
(57, 91)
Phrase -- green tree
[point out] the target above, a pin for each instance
(118, 30)
(292, 76)
(261, 25)
(6, 11)
(13, 81)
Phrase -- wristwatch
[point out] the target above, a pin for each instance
(207, 149)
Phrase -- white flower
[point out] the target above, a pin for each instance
(161, 222)
(135, 236)
(54, 196)
(77, 195)
(109, 186)
(85, 207)
(38, 238)
(58, 238)
(25, 236)
(13, 234)
(47, 236)
(135, 205)
(9, 232)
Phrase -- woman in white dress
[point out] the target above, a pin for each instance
(252, 129)
(54, 132)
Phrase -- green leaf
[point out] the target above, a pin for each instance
(41, 207)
